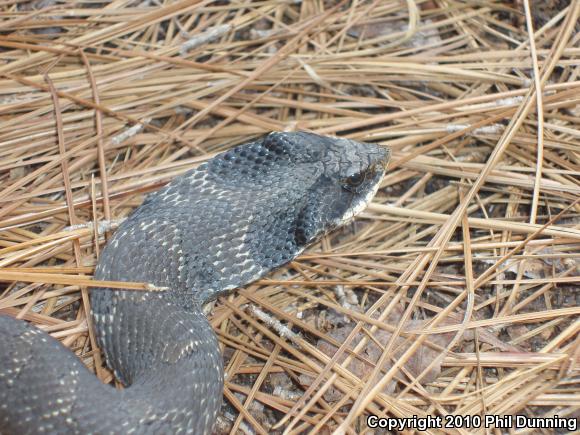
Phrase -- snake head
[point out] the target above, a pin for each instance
(292, 188)
(341, 176)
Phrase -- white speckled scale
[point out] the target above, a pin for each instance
(215, 228)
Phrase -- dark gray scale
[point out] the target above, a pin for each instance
(215, 228)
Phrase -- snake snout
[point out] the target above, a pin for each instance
(386, 157)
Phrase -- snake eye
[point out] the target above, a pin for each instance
(353, 181)
(356, 180)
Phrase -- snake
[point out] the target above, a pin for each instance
(226, 223)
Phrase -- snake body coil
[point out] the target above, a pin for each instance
(215, 228)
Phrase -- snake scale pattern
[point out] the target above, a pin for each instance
(220, 226)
